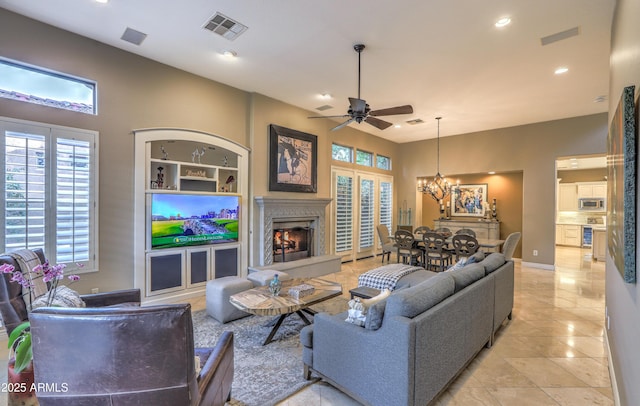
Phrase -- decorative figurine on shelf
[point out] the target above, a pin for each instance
(199, 153)
(494, 210)
(160, 178)
(275, 285)
(165, 154)
(225, 162)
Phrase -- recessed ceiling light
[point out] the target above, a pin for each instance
(492, 173)
(561, 70)
(397, 126)
(229, 54)
(325, 96)
(102, 1)
(600, 99)
(503, 22)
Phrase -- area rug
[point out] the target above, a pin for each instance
(264, 375)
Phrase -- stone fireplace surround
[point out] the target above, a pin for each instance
(272, 209)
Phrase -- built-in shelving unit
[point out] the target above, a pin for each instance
(185, 162)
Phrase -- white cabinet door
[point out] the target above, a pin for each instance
(585, 191)
(599, 245)
(572, 235)
(600, 190)
(559, 234)
(567, 197)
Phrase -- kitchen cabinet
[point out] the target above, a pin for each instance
(599, 244)
(592, 190)
(567, 197)
(569, 234)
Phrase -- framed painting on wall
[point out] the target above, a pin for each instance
(621, 187)
(293, 157)
(468, 200)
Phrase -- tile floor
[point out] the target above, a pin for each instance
(551, 353)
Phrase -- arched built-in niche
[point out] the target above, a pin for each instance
(191, 212)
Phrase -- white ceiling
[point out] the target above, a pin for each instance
(444, 57)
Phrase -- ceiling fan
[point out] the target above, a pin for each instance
(359, 110)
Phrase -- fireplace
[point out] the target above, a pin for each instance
(292, 241)
(303, 221)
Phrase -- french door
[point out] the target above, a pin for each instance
(361, 201)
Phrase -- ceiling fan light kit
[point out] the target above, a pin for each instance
(439, 187)
(360, 111)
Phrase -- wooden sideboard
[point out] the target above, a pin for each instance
(483, 228)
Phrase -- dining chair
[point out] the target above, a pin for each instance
(510, 244)
(437, 257)
(387, 241)
(418, 233)
(467, 231)
(406, 249)
(464, 245)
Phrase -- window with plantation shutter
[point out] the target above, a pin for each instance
(50, 192)
(367, 213)
(386, 204)
(343, 213)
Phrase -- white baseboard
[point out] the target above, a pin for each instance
(612, 373)
(539, 266)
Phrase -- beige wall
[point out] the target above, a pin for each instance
(623, 299)
(506, 188)
(531, 149)
(133, 93)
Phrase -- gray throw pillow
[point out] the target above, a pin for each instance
(375, 314)
(477, 257)
(493, 261)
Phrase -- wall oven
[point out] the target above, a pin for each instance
(591, 204)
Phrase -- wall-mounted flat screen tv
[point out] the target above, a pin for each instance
(179, 220)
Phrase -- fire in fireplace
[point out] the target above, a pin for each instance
(291, 244)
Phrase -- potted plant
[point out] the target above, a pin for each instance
(21, 386)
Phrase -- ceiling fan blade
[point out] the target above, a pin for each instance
(376, 122)
(341, 115)
(357, 104)
(391, 111)
(346, 123)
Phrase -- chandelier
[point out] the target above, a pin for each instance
(439, 187)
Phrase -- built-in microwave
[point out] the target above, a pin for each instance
(592, 204)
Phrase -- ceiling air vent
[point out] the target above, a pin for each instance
(415, 121)
(559, 36)
(225, 26)
(325, 107)
(133, 36)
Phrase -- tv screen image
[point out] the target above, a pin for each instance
(179, 220)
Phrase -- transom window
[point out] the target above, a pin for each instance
(383, 162)
(36, 85)
(342, 153)
(364, 158)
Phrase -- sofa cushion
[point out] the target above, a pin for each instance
(414, 278)
(477, 257)
(412, 301)
(375, 314)
(465, 276)
(492, 262)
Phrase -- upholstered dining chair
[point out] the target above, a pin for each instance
(467, 231)
(510, 244)
(14, 309)
(387, 241)
(121, 356)
(437, 257)
(405, 243)
(464, 245)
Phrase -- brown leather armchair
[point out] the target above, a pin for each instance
(14, 310)
(121, 356)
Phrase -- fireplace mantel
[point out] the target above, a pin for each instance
(279, 209)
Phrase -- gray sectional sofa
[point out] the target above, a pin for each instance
(432, 326)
